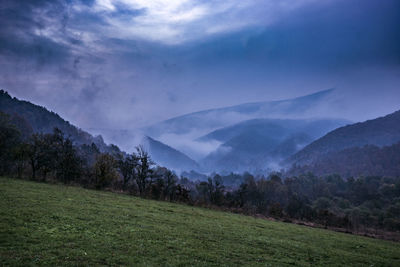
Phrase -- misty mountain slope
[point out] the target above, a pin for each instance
(291, 145)
(266, 127)
(277, 128)
(206, 120)
(167, 156)
(42, 120)
(261, 143)
(380, 132)
(369, 160)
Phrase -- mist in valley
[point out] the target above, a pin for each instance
(128, 70)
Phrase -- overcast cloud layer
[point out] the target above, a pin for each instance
(125, 64)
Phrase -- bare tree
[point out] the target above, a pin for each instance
(144, 171)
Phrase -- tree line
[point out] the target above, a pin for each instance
(55, 157)
(331, 201)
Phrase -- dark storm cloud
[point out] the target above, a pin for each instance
(336, 34)
(346, 33)
(341, 34)
(44, 57)
(20, 19)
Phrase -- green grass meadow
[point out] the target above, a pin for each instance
(43, 224)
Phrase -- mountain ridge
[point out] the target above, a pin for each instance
(221, 117)
(369, 160)
(168, 156)
(43, 120)
(316, 94)
(382, 131)
(256, 143)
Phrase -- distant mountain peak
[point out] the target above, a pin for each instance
(212, 119)
(313, 96)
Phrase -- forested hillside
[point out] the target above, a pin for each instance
(356, 161)
(31, 118)
(380, 132)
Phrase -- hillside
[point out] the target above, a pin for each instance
(369, 160)
(45, 224)
(253, 144)
(222, 117)
(183, 132)
(41, 120)
(168, 156)
(380, 132)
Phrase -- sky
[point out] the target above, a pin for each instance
(126, 64)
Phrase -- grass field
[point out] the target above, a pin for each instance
(42, 224)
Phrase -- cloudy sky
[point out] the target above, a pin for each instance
(123, 64)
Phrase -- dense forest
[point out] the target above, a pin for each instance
(367, 160)
(353, 204)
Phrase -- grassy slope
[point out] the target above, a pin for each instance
(53, 225)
